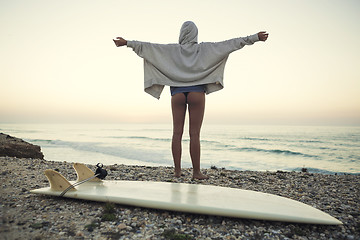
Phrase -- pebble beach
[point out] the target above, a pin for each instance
(28, 216)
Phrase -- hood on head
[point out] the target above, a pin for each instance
(188, 33)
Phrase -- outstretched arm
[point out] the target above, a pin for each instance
(119, 41)
(263, 36)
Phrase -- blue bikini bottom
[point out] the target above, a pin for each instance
(186, 90)
(197, 88)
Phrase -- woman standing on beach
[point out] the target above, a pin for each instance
(191, 69)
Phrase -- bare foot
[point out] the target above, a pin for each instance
(199, 176)
(177, 173)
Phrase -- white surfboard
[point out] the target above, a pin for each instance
(191, 198)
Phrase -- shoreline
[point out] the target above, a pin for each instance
(40, 217)
(321, 149)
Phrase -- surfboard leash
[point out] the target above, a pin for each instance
(100, 173)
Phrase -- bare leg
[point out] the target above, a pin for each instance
(178, 106)
(196, 101)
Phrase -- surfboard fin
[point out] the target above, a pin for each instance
(57, 181)
(83, 172)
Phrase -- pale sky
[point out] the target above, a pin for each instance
(58, 61)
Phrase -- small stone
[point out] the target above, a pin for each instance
(122, 226)
(253, 179)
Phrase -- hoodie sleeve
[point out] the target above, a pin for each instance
(241, 42)
(149, 51)
(137, 47)
(228, 46)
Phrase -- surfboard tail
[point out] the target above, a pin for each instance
(57, 181)
(83, 172)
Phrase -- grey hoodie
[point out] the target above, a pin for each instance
(187, 63)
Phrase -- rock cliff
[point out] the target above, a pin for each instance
(16, 147)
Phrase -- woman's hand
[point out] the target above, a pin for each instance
(263, 36)
(119, 41)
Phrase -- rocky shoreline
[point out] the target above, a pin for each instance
(29, 216)
(15, 147)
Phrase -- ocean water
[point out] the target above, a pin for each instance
(320, 149)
